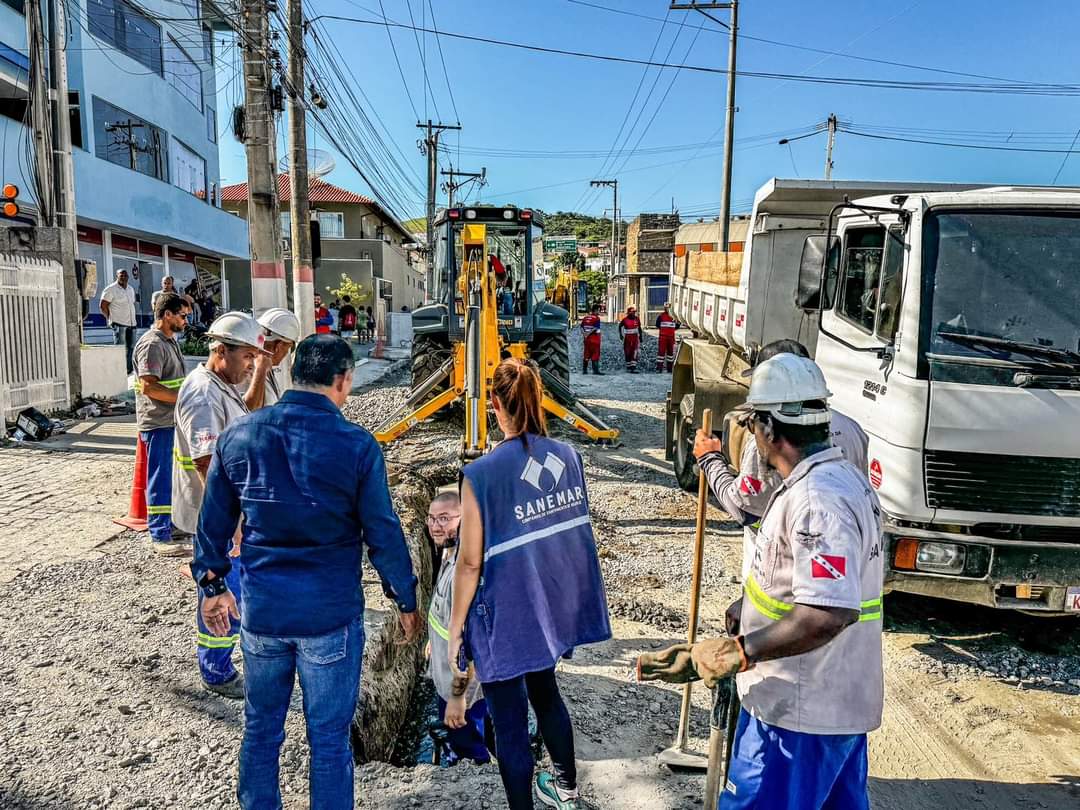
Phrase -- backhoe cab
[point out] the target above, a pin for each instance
(488, 304)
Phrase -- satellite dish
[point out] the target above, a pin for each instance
(320, 163)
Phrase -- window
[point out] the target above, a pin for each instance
(189, 170)
(863, 249)
(127, 29)
(211, 124)
(286, 224)
(332, 224)
(183, 74)
(129, 141)
(208, 45)
(892, 286)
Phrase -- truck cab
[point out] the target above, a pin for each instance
(950, 331)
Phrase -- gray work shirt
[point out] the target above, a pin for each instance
(156, 355)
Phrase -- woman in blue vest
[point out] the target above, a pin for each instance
(528, 589)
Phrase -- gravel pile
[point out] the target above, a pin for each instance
(1007, 663)
(611, 351)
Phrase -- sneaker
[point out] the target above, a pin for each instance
(173, 547)
(548, 792)
(232, 688)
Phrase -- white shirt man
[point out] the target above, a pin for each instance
(118, 307)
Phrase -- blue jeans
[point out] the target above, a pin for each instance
(508, 704)
(470, 741)
(776, 768)
(329, 669)
(215, 652)
(159, 452)
(125, 336)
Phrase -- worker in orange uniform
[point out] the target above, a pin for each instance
(630, 332)
(590, 328)
(665, 327)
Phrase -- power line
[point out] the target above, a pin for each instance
(982, 146)
(1057, 174)
(442, 59)
(393, 47)
(1030, 88)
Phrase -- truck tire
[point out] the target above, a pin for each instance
(686, 468)
(552, 354)
(428, 355)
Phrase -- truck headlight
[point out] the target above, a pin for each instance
(940, 558)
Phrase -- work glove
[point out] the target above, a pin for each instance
(709, 661)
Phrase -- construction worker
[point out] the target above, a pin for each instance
(306, 527)
(160, 369)
(469, 734)
(208, 403)
(590, 328)
(525, 526)
(630, 334)
(806, 634)
(745, 494)
(665, 327)
(268, 381)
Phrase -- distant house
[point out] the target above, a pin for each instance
(357, 238)
(650, 240)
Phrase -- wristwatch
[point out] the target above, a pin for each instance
(212, 587)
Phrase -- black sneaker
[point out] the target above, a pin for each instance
(233, 689)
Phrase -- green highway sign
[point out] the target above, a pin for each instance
(560, 244)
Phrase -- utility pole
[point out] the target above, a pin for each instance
(63, 171)
(614, 185)
(264, 226)
(430, 147)
(729, 120)
(299, 207)
(831, 123)
(451, 186)
(40, 127)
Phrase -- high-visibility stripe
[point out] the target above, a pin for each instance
(138, 385)
(768, 606)
(441, 631)
(871, 610)
(185, 462)
(217, 642)
(159, 510)
(532, 537)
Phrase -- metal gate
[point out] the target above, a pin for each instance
(33, 335)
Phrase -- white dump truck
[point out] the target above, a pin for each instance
(946, 319)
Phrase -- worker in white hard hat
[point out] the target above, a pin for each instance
(269, 379)
(807, 637)
(209, 402)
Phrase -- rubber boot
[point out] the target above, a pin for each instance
(584, 366)
(596, 368)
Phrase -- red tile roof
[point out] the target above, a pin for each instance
(319, 191)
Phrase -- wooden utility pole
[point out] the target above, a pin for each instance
(430, 147)
(831, 125)
(729, 119)
(299, 207)
(264, 226)
(63, 171)
(40, 125)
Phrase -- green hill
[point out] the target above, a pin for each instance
(584, 227)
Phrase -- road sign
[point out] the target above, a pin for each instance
(560, 244)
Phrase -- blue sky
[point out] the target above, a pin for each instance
(510, 99)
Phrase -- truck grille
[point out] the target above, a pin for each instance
(1018, 485)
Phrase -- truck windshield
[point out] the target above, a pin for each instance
(507, 260)
(1012, 277)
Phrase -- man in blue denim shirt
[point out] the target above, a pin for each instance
(305, 523)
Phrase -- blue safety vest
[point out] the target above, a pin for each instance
(541, 593)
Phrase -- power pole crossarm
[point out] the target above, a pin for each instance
(451, 186)
(299, 207)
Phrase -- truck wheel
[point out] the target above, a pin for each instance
(552, 354)
(428, 355)
(686, 468)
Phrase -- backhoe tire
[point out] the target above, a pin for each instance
(686, 468)
(552, 354)
(428, 356)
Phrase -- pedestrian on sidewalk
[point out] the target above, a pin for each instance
(630, 334)
(528, 589)
(208, 403)
(323, 319)
(347, 319)
(305, 525)
(465, 715)
(168, 285)
(362, 325)
(268, 380)
(159, 366)
(590, 328)
(118, 307)
(806, 634)
(665, 328)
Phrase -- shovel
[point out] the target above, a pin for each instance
(677, 756)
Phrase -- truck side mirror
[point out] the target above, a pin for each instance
(808, 293)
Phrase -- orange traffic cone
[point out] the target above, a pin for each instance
(135, 519)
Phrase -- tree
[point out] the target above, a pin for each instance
(357, 294)
(570, 259)
(597, 282)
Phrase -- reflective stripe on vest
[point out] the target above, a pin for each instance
(172, 385)
(772, 608)
(630, 331)
(217, 642)
(435, 625)
(185, 462)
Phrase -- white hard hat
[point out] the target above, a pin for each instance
(782, 384)
(238, 329)
(281, 324)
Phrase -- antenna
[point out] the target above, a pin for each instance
(320, 163)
